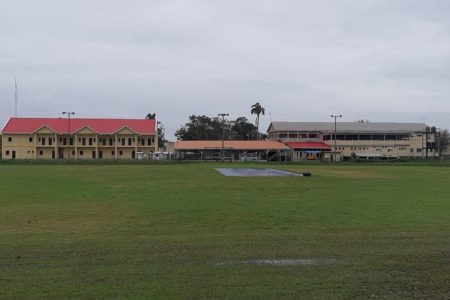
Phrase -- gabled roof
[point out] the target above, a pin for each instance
(61, 125)
(308, 145)
(369, 127)
(234, 145)
(43, 127)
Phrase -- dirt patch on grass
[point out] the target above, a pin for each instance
(292, 262)
(287, 262)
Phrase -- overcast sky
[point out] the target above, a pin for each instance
(302, 60)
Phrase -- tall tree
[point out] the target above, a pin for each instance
(242, 129)
(257, 110)
(206, 128)
(443, 143)
(161, 130)
(202, 128)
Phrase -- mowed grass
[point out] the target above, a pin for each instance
(184, 231)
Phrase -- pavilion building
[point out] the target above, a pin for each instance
(318, 140)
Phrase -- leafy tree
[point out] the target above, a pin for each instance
(206, 128)
(443, 142)
(159, 130)
(161, 138)
(201, 128)
(257, 110)
(151, 116)
(243, 130)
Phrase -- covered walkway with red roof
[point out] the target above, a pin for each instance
(232, 150)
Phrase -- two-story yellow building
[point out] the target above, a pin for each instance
(60, 138)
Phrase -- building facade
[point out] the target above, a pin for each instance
(355, 140)
(58, 138)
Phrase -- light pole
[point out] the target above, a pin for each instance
(68, 113)
(335, 130)
(223, 134)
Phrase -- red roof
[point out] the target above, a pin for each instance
(234, 145)
(308, 145)
(61, 125)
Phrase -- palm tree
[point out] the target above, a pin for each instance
(257, 110)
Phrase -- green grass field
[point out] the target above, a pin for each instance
(183, 231)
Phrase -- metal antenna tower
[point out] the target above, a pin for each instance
(15, 97)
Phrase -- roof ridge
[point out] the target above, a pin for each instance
(59, 125)
(76, 118)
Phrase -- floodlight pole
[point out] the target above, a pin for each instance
(223, 115)
(68, 113)
(335, 131)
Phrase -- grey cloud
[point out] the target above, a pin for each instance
(301, 59)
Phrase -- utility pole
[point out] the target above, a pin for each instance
(16, 98)
(69, 113)
(335, 131)
(223, 115)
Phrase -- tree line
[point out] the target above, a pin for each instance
(206, 128)
(201, 127)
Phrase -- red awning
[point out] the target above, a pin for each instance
(308, 145)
